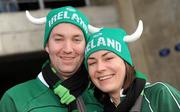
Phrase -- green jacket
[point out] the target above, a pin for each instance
(160, 97)
(35, 96)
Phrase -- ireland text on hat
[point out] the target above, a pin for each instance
(107, 42)
(70, 16)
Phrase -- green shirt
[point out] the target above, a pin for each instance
(160, 97)
(34, 96)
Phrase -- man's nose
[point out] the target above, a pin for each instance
(68, 47)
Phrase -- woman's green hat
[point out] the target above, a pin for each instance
(110, 39)
(114, 40)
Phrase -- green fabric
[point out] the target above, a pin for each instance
(157, 97)
(138, 74)
(160, 97)
(53, 69)
(65, 14)
(64, 94)
(33, 96)
(75, 111)
(110, 39)
(45, 63)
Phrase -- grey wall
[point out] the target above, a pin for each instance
(18, 35)
(161, 30)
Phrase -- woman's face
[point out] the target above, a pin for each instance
(107, 71)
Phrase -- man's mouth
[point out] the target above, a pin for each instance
(67, 58)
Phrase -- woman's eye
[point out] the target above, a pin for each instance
(77, 40)
(91, 63)
(108, 58)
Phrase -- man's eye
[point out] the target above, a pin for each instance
(77, 39)
(58, 39)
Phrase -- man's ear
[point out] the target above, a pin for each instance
(47, 48)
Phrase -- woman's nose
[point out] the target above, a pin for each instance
(100, 66)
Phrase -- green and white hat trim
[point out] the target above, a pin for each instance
(65, 14)
(112, 39)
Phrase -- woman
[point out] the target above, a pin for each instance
(120, 87)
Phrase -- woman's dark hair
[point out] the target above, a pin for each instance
(129, 78)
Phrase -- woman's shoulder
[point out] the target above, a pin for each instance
(162, 97)
(162, 92)
(159, 86)
(156, 85)
(88, 95)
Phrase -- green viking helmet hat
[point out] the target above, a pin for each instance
(65, 14)
(114, 40)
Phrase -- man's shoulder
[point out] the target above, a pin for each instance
(22, 86)
(26, 92)
(30, 95)
(26, 88)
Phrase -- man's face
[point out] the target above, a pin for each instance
(66, 47)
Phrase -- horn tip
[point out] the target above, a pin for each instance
(141, 22)
(27, 11)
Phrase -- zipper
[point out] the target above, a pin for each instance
(80, 104)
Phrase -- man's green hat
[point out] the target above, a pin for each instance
(110, 39)
(66, 14)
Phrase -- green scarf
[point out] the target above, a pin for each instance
(67, 90)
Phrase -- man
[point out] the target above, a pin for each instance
(63, 84)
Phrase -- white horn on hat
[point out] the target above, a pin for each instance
(35, 20)
(93, 29)
(136, 35)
